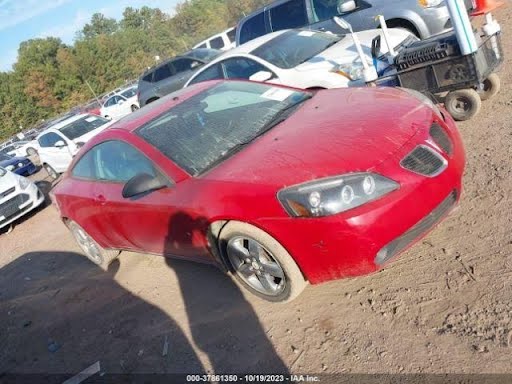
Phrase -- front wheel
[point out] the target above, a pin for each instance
(134, 107)
(94, 252)
(491, 86)
(463, 104)
(260, 264)
(51, 172)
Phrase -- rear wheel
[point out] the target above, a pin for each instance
(94, 252)
(463, 104)
(260, 264)
(491, 86)
(51, 172)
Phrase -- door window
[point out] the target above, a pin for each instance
(212, 73)
(241, 68)
(162, 73)
(217, 43)
(291, 14)
(232, 35)
(49, 139)
(113, 161)
(183, 65)
(253, 28)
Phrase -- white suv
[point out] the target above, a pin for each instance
(60, 143)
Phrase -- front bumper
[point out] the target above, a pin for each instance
(18, 203)
(26, 169)
(348, 244)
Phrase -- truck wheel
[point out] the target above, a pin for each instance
(94, 252)
(260, 264)
(463, 104)
(491, 86)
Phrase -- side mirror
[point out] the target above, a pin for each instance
(142, 183)
(60, 144)
(261, 76)
(344, 24)
(345, 6)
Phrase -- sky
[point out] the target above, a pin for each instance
(22, 20)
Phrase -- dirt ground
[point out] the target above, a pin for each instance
(443, 307)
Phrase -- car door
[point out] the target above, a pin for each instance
(323, 11)
(184, 68)
(163, 80)
(143, 223)
(58, 158)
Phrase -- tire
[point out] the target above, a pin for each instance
(90, 248)
(251, 269)
(31, 152)
(51, 172)
(491, 87)
(134, 107)
(463, 104)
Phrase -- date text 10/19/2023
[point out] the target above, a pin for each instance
(253, 378)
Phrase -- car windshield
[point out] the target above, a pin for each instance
(130, 92)
(204, 54)
(205, 129)
(82, 126)
(295, 47)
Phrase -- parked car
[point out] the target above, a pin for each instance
(299, 58)
(18, 196)
(423, 18)
(17, 164)
(121, 104)
(276, 185)
(21, 148)
(172, 74)
(224, 41)
(61, 142)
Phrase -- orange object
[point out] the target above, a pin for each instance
(486, 6)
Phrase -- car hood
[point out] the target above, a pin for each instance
(345, 52)
(8, 181)
(336, 132)
(89, 135)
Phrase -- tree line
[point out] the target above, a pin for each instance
(50, 77)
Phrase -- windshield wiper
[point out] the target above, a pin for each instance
(278, 118)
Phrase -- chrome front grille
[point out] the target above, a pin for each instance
(422, 227)
(440, 137)
(424, 161)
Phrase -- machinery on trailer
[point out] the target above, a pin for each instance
(457, 67)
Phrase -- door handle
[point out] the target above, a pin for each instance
(100, 199)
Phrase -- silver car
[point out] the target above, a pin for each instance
(424, 18)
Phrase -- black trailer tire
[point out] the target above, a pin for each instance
(260, 264)
(463, 104)
(491, 87)
(90, 248)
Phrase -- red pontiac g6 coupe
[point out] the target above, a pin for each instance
(277, 186)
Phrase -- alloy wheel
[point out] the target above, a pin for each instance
(87, 245)
(256, 265)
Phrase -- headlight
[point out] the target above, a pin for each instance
(24, 182)
(10, 168)
(430, 3)
(425, 100)
(335, 194)
(352, 71)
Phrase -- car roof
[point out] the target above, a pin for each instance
(251, 45)
(213, 37)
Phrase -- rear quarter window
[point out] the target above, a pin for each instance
(217, 43)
